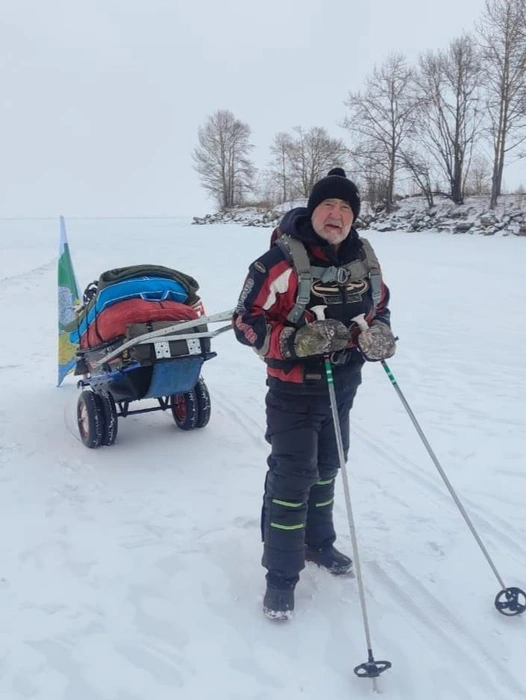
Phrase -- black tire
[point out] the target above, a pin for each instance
(184, 410)
(203, 403)
(90, 419)
(111, 421)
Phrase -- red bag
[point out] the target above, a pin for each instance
(112, 322)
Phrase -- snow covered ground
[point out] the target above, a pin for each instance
(133, 572)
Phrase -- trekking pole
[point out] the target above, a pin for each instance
(510, 600)
(371, 668)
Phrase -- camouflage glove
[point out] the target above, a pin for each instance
(319, 337)
(377, 342)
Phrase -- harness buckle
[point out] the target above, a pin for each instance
(339, 358)
(342, 275)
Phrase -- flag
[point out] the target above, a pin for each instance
(68, 298)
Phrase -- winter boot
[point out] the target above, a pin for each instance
(331, 559)
(278, 603)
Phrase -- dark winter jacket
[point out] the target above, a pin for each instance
(269, 294)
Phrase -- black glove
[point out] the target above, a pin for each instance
(320, 337)
(377, 342)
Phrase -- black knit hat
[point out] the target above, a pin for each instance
(335, 186)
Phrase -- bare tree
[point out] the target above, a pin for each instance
(421, 171)
(478, 179)
(310, 155)
(382, 119)
(267, 189)
(376, 190)
(450, 116)
(280, 166)
(222, 158)
(502, 40)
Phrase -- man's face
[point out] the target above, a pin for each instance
(332, 220)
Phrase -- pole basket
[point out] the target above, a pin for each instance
(372, 668)
(511, 601)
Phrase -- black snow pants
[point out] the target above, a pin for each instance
(299, 485)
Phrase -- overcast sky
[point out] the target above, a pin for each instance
(101, 99)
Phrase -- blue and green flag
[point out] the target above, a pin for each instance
(68, 298)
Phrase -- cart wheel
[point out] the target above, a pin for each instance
(203, 403)
(184, 410)
(111, 421)
(90, 419)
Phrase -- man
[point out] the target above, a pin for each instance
(294, 310)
